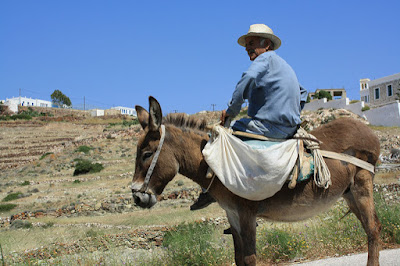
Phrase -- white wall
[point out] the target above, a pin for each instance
(97, 112)
(125, 110)
(24, 101)
(386, 115)
(336, 104)
(13, 107)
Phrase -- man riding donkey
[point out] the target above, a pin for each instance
(273, 92)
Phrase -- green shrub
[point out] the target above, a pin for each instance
(124, 123)
(389, 215)
(21, 116)
(15, 117)
(25, 183)
(323, 94)
(7, 207)
(280, 245)
(45, 155)
(92, 233)
(365, 108)
(76, 181)
(193, 244)
(85, 166)
(17, 224)
(129, 123)
(12, 196)
(84, 149)
(48, 225)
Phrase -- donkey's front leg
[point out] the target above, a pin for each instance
(243, 227)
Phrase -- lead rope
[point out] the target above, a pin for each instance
(322, 176)
(153, 162)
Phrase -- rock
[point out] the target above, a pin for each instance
(97, 206)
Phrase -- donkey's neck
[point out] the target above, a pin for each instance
(188, 146)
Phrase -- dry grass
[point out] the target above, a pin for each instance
(387, 178)
(52, 177)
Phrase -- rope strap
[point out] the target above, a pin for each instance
(322, 176)
(350, 159)
(154, 161)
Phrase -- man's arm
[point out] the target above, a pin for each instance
(240, 94)
(303, 97)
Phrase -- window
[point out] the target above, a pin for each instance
(389, 90)
(377, 94)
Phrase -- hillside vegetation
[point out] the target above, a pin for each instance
(51, 215)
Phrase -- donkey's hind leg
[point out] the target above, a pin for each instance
(243, 225)
(361, 202)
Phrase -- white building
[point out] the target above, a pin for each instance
(381, 91)
(24, 101)
(97, 112)
(125, 110)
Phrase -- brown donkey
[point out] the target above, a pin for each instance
(178, 145)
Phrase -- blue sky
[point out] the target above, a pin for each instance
(185, 53)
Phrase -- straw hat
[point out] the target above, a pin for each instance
(261, 30)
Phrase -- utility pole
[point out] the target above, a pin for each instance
(213, 105)
(84, 104)
(19, 96)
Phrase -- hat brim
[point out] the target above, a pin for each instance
(275, 39)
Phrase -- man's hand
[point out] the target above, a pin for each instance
(224, 116)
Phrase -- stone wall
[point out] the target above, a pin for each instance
(383, 95)
(56, 112)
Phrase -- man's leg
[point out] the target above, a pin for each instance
(203, 201)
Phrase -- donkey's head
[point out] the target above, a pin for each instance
(155, 162)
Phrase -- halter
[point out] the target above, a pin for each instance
(153, 162)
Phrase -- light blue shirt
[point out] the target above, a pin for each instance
(272, 90)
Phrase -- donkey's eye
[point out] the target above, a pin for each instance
(147, 155)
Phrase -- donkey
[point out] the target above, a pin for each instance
(178, 145)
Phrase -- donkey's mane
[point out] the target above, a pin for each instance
(185, 121)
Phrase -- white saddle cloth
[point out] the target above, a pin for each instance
(254, 174)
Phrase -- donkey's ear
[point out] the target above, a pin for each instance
(142, 115)
(155, 114)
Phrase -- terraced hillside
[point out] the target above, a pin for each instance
(23, 142)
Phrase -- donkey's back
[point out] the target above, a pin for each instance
(348, 135)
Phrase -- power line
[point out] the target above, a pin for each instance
(213, 105)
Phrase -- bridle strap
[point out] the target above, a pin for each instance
(153, 162)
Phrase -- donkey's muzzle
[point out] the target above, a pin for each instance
(144, 200)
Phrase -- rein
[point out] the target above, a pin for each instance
(146, 182)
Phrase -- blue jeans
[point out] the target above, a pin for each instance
(262, 128)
